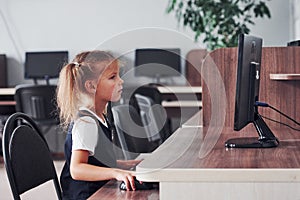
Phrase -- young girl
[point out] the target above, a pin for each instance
(86, 85)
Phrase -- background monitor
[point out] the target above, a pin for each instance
(156, 63)
(3, 71)
(44, 65)
(247, 96)
(294, 43)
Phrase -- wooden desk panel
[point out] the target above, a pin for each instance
(282, 95)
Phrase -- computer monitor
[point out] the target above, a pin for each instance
(44, 65)
(294, 43)
(247, 96)
(157, 63)
(3, 71)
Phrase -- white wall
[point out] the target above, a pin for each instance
(277, 30)
(116, 25)
(296, 18)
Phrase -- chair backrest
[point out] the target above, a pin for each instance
(130, 131)
(37, 101)
(150, 91)
(149, 117)
(27, 158)
(153, 117)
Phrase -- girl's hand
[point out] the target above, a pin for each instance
(127, 177)
(127, 164)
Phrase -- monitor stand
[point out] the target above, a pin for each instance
(157, 79)
(35, 81)
(47, 79)
(266, 138)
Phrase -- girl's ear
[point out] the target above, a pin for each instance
(90, 86)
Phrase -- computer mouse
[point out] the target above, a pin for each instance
(138, 185)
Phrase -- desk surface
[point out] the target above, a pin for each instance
(180, 158)
(7, 98)
(111, 191)
(7, 91)
(181, 104)
(179, 89)
(177, 164)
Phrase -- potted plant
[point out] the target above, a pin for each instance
(218, 22)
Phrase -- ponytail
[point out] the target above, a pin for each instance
(65, 94)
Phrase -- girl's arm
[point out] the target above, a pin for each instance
(81, 170)
(127, 164)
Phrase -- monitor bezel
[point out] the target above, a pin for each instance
(141, 73)
(248, 68)
(28, 69)
(247, 95)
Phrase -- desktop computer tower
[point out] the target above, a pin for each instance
(3, 71)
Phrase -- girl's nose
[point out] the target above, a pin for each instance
(121, 81)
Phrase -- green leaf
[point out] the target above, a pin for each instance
(171, 5)
(218, 22)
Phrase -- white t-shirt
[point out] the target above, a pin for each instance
(85, 133)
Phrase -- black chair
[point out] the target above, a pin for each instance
(130, 132)
(152, 117)
(27, 157)
(39, 103)
(154, 98)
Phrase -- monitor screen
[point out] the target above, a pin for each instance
(152, 62)
(247, 83)
(247, 96)
(44, 65)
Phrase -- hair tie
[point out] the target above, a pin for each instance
(76, 64)
(75, 68)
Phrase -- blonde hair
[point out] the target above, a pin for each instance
(71, 91)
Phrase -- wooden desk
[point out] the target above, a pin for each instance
(111, 191)
(181, 109)
(164, 93)
(7, 102)
(7, 91)
(224, 173)
(179, 102)
(183, 104)
(180, 93)
(180, 89)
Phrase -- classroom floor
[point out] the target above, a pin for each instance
(45, 192)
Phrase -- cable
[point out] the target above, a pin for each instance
(285, 115)
(273, 120)
(263, 104)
